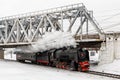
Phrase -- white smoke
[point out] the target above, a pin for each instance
(52, 40)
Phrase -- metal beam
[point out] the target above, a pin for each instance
(61, 28)
(53, 27)
(69, 29)
(18, 33)
(13, 36)
(2, 37)
(6, 29)
(30, 36)
(22, 36)
(26, 35)
(80, 26)
(87, 26)
(41, 21)
(92, 22)
(11, 31)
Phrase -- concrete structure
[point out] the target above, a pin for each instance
(110, 49)
(1, 54)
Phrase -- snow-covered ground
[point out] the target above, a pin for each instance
(21, 71)
(113, 67)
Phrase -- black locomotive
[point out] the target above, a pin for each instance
(65, 58)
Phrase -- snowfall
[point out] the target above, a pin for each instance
(13, 70)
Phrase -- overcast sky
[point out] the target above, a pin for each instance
(107, 12)
(12, 7)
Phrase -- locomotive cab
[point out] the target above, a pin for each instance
(43, 57)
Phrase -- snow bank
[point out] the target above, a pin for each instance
(51, 40)
(113, 67)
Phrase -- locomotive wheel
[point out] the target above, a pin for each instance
(38, 63)
(21, 61)
(50, 64)
(33, 62)
(18, 60)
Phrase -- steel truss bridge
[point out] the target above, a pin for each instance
(27, 28)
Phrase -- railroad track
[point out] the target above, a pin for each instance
(104, 74)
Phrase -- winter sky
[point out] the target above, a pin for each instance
(12, 7)
(104, 10)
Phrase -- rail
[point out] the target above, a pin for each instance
(104, 74)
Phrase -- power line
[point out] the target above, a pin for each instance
(112, 16)
(107, 27)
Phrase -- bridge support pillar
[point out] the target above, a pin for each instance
(117, 48)
(1, 53)
(107, 51)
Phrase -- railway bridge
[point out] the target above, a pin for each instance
(25, 29)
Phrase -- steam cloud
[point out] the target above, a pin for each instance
(51, 40)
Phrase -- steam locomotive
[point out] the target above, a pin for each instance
(65, 58)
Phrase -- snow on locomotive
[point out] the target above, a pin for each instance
(66, 58)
